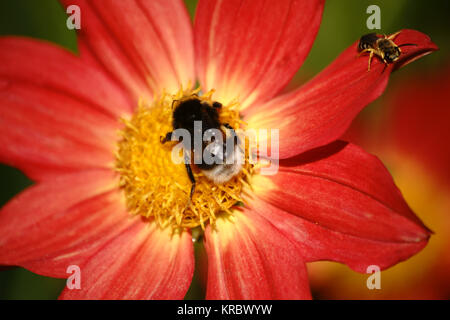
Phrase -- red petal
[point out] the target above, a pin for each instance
(249, 50)
(423, 46)
(45, 133)
(60, 222)
(342, 188)
(144, 262)
(320, 111)
(83, 229)
(141, 43)
(250, 259)
(319, 243)
(43, 64)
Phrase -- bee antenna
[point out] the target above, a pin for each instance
(174, 102)
(407, 44)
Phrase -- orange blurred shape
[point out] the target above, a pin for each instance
(411, 135)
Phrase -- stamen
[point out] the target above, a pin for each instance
(159, 189)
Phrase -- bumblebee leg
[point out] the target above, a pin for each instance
(168, 137)
(187, 163)
(192, 178)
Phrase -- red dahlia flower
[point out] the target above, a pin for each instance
(109, 199)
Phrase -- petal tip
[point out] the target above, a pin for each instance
(423, 46)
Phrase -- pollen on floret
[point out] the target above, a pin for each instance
(157, 188)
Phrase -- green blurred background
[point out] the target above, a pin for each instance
(344, 21)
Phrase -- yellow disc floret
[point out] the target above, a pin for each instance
(155, 186)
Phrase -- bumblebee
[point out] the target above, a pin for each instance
(218, 140)
(381, 46)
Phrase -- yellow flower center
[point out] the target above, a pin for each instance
(155, 186)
